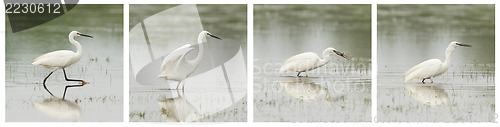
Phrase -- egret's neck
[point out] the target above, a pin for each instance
(324, 60)
(79, 51)
(448, 53)
(201, 38)
(198, 58)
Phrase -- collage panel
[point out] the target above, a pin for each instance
(312, 63)
(65, 66)
(188, 63)
(436, 63)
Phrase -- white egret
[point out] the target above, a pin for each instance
(176, 67)
(433, 67)
(307, 61)
(62, 59)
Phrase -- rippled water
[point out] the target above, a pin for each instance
(410, 34)
(457, 96)
(337, 92)
(330, 94)
(199, 105)
(101, 65)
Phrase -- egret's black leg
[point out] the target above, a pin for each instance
(423, 80)
(64, 95)
(46, 80)
(298, 75)
(65, 77)
(183, 83)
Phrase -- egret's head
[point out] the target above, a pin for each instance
(76, 33)
(329, 51)
(456, 44)
(206, 33)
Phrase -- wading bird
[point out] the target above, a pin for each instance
(61, 59)
(176, 67)
(433, 67)
(307, 61)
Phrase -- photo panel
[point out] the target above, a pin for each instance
(312, 63)
(188, 63)
(64, 65)
(436, 63)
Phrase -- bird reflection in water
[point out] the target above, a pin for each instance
(59, 109)
(178, 109)
(302, 88)
(432, 95)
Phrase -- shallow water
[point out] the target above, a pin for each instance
(457, 96)
(330, 94)
(338, 92)
(198, 105)
(101, 65)
(410, 34)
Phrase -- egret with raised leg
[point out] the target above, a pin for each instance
(175, 65)
(61, 59)
(433, 67)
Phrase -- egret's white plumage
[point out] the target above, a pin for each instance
(433, 67)
(57, 59)
(175, 65)
(61, 59)
(307, 61)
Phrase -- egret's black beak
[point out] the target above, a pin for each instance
(466, 45)
(214, 36)
(340, 53)
(85, 35)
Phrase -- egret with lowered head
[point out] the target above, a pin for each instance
(61, 59)
(433, 67)
(307, 61)
(175, 65)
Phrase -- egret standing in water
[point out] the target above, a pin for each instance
(307, 61)
(62, 59)
(176, 67)
(433, 67)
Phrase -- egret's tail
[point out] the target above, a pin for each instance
(407, 78)
(282, 70)
(35, 62)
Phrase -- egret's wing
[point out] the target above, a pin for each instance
(299, 62)
(54, 59)
(172, 59)
(305, 55)
(182, 47)
(424, 70)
